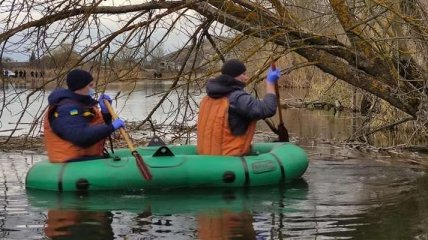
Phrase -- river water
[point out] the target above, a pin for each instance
(346, 193)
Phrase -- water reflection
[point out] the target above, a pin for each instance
(215, 214)
(224, 224)
(318, 124)
(185, 201)
(78, 224)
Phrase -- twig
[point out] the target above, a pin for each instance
(10, 130)
(382, 128)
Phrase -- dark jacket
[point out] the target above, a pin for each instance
(72, 122)
(243, 108)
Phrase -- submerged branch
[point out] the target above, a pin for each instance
(382, 128)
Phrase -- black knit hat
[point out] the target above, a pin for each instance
(78, 79)
(233, 68)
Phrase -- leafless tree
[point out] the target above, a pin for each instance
(378, 46)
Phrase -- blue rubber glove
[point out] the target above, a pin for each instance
(102, 104)
(273, 75)
(118, 123)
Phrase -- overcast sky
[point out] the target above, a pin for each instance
(20, 50)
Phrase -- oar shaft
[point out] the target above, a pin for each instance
(281, 121)
(121, 130)
(282, 131)
(138, 158)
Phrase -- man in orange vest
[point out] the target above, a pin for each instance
(74, 127)
(228, 114)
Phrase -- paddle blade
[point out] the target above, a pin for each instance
(142, 166)
(283, 133)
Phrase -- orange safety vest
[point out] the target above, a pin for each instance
(60, 150)
(214, 134)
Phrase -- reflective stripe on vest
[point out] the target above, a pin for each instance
(60, 150)
(214, 134)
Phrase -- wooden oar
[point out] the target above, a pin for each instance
(282, 131)
(140, 162)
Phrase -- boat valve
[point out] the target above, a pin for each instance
(229, 177)
(82, 184)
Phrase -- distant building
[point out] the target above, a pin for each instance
(168, 66)
(174, 61)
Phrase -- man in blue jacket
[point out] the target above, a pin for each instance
(74, 127)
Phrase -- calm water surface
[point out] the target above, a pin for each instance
(345, 194)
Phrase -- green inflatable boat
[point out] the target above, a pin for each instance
(172, 167)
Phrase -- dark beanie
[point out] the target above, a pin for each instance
(233, 68)
(78, 79)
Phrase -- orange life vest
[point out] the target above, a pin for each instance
(60, 150)
(214, 134)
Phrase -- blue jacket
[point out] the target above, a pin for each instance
(243, 107)
(70, 122)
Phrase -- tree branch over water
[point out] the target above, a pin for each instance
(379, 47)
